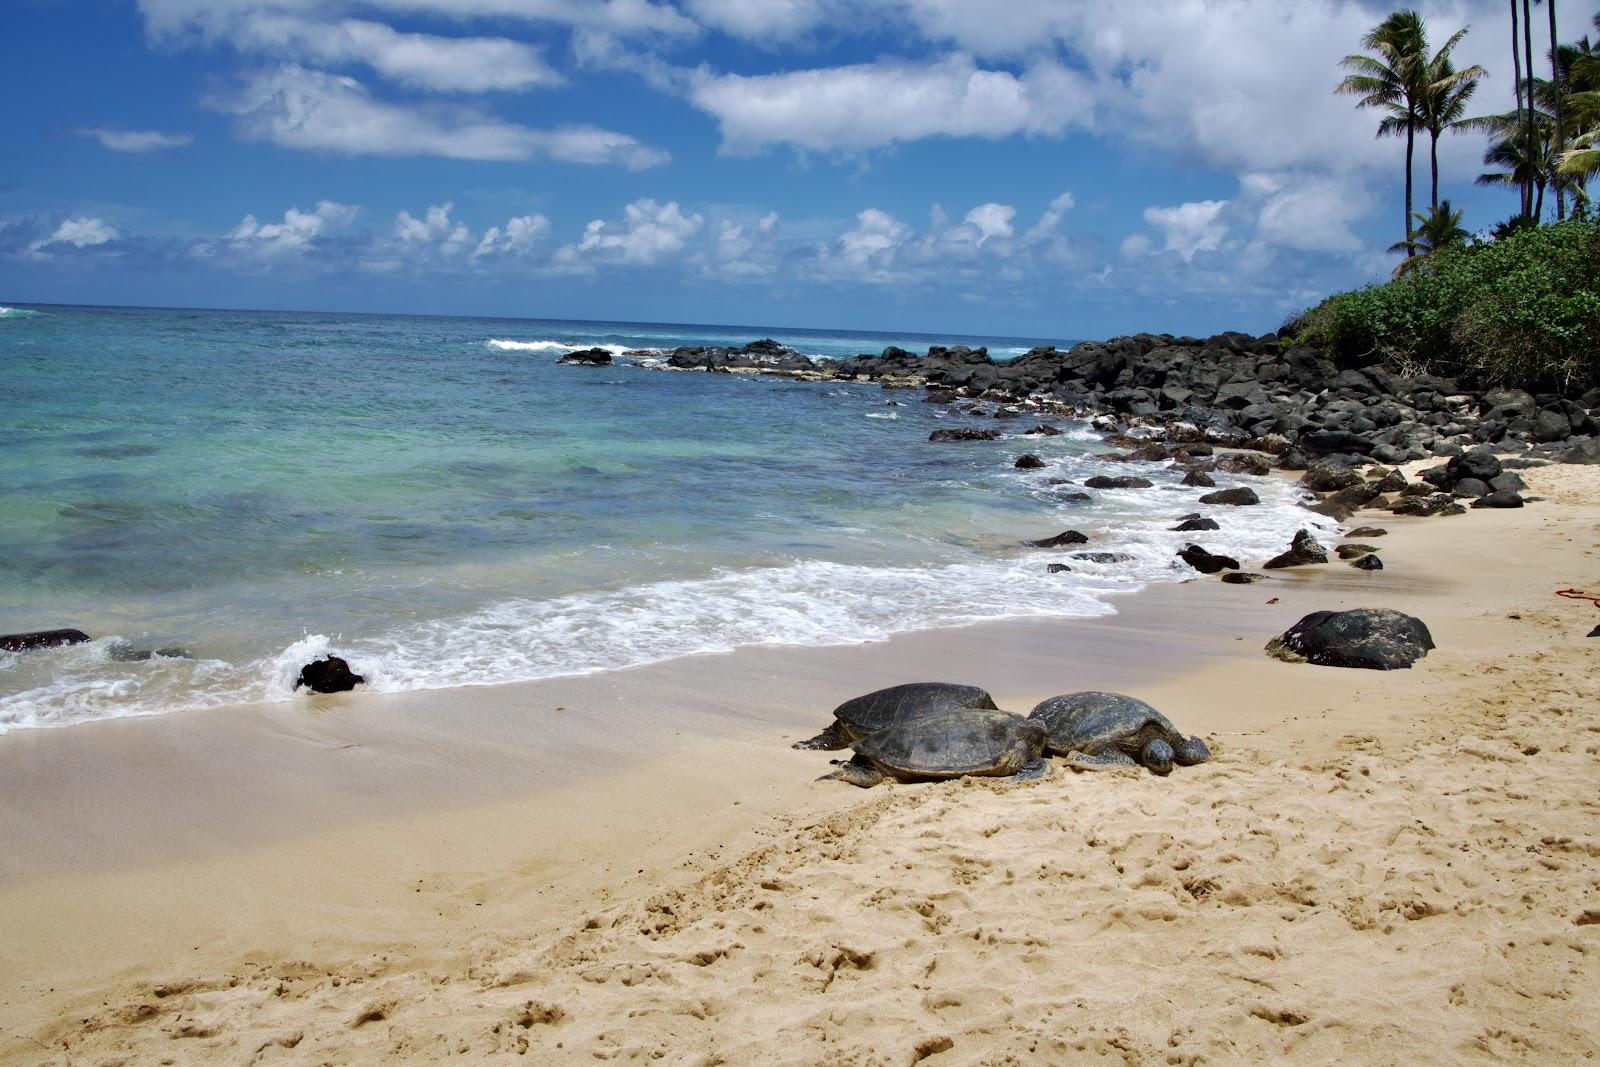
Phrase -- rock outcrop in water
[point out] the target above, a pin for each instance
(1233, 389)
(41, 639)
(328, 675)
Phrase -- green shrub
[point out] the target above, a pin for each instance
(1522, 311)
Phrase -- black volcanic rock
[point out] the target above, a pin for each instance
(328, 675)
(593, 357)
(41, 639)
(1028, 462)
(1370, 638)
(1243, 496)
(1068, 537)
(1197, 524)
(1206, 562)
(965, 433)
(1100, 481)
(1304, 550)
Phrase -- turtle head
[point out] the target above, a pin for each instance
(1190, 752)
(1157, 755)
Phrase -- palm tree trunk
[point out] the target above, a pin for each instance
(1527, 50)
(1538, 211)
(1561, 133)
(1433, 150)
(1411, 140)
(1516, 69)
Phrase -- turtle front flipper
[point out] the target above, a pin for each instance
(1111, 758)
(857, 772)
(1188, 753)
(830, 740)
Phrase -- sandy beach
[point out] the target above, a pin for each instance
(1376, 867)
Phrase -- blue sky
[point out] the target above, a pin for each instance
(1033, 168)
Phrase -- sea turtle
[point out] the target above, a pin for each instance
(1094, 730)
(948, 744)
(867, 714)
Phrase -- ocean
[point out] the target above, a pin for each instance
(441, 503)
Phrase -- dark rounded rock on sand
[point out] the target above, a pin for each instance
(1103, 557)
(1470, 487)
(1369, 562)
(1346, 502)
(1206, 562)
(1201, 479)
(1585, 452)
(1242, 463)
(1293, 460)
(1504, 499)
(1066, 537)
(1303, 551)
(328, 675)
(1428, 506)
(1242, 496)
(1391, 481)
(1057, 568)
(1510, 480)
(1243, 577)
(1479, 463)
(965, 433)
(1370, 638)
(1195, 525)
(1354, 551)
(1326, 476)
(1100, 481)
(1369, 531)
(41, 639)
(1028, 462)
(592, 357)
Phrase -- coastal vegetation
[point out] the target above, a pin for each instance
(1518, 305)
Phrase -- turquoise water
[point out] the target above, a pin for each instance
(438, 500)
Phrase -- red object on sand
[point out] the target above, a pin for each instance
(1575, 594)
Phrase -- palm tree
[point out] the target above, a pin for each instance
(1438, 230)
(1389, 81)
(1556, 90)
(1527, 55)
(1516, 73)
(1442, 101)
(1521, 168)
(1580, 97)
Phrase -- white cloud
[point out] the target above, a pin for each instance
(519, 237)
(1190, 228)
(875, 104)
(991, 220)
(1308, 212)
(451, 64)
(875, 240)
(293, 235)
(215, 19)
(434, 230)
(1051, 219)
(137, 140)
(80, 232)
(299, 108)
(764, 21)
(648, 232)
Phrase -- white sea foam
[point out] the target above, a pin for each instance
(16, 313)
(556, 346)
(804, 603)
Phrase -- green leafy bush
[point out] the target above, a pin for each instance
(1522, 311)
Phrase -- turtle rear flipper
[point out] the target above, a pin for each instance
(1188, 753)
(1032, 770)
(857, 772)
(830, 740)
(1112, 758)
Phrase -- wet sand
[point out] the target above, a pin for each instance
(1376, 866)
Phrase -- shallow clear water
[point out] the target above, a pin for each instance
(439, 501)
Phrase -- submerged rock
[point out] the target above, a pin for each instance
(1200, 479)
(41, 639)
(1043, 430)
(1370, 638)
(1100, 481)
(965, 433)
(328, 675)
(1028, 462)
(1066, 537)
(592, 357)
(1196, 524)
(1103, 557)
(1243, 496)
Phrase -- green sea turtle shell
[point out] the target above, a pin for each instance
(1093, 722)
(978, 741)
(879, 710)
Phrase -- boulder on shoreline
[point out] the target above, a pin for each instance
(1028, 462)
(1241, 497)
(1066, 537)
(1304, 550)
(331, 674)
(1206, 562)
(1369, 638)
(1100, 481)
